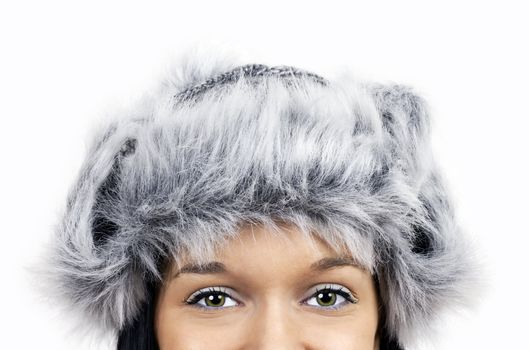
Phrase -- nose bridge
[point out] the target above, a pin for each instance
(273, 325)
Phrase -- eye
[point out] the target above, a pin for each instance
(214, 298)
(332, 297)
(329, 297)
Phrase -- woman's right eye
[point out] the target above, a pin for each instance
(213, 299)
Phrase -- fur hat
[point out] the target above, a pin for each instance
(219, 143)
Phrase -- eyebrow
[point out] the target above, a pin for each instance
(216, 267)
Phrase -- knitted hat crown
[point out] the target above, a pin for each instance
(221, 143)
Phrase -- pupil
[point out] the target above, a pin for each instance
(327, 298)
(215, 299)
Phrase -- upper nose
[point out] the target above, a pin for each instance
(273, 326)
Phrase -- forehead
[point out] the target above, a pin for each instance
(287, 238)
(258, 245)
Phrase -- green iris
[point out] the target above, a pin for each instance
(328, 298)
(213, 298)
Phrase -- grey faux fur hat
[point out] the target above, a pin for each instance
(220, 143)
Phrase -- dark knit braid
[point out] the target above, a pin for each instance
(248, 71)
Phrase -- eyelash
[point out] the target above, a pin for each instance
(194, 299)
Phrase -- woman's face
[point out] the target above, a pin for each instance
(266, 292)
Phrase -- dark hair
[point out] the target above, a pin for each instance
(388, 344)
(140, 335)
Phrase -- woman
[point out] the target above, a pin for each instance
(243, 206)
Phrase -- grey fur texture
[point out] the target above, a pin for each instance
(220, 143)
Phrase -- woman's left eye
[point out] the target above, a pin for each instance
(328, 297)
(332, 298)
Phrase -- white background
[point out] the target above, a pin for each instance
(64, 63)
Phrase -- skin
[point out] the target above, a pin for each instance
(272, 301)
